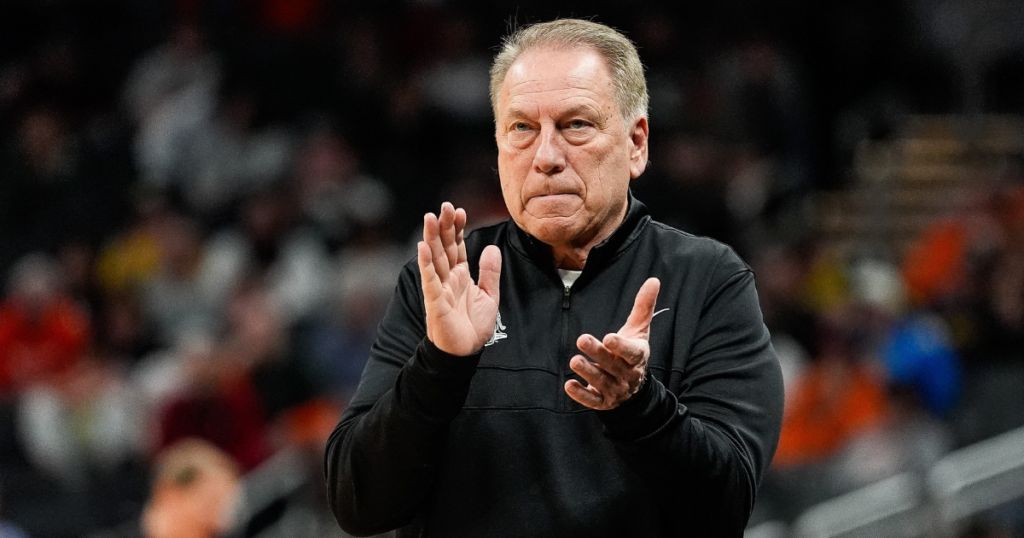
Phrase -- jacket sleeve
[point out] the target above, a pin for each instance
(382, 457)
(707, 447)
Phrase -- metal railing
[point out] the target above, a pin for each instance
(963, 484)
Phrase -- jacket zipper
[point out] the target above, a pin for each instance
(565, 350)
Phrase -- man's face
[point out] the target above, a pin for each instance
(213, 502)
(565, 156)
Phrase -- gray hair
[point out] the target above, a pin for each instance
(618, 51)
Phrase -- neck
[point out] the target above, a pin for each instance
(571, 260)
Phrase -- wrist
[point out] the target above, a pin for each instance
(443, 362)
(454, 349)
(643, 414)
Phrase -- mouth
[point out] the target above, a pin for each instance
(558, 199)
(553, 195)
(553, 205)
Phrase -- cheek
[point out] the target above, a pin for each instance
(605, 174)
(509, 193)
(594, 165)
(611, 167)
(513, 168)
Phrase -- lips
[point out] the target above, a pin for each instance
(555, 199)
(551, 188)
(554, 190)
(554, 205)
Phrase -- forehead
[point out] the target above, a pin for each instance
(551, 76)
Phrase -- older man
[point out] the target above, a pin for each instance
(476, 416)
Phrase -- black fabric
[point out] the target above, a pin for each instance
(129, 529)
(491, 445)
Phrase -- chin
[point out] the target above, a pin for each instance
(553, 230)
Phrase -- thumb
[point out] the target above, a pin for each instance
(643, 307)
(490, 272)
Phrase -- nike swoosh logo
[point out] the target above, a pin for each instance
(660, 311)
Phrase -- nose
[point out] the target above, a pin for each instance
(550, 156)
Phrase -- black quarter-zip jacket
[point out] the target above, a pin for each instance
(491, 446)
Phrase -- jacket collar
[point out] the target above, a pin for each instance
(636, 219)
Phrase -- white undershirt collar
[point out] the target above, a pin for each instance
(568, 276)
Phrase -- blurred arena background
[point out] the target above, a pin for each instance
(204, 205)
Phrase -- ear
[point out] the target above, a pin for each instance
(638, 147)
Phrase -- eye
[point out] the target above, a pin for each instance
(577, 124)
(521, 127)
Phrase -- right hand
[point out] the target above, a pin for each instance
(460, 313)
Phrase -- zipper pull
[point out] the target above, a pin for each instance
(565, 297)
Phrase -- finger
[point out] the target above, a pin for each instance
(460, 229)
(639, 321)
(446, 224)
(633, 351)
(432, 289)
(458, 280)
(588, 396)
(432, 237)
(603, 356)
(594, 376)
(489, 279)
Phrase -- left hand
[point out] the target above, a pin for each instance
(620, 358)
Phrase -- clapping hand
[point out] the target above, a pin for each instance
(620, 358)
(460, 313)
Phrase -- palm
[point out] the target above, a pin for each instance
(463, 312)
(460, 313)
(620, 358)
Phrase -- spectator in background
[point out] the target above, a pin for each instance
(233, 156)
(914, 347)
(268, 244)
(195, 494)
(456, 84)
(836, 398)
(218, 403)
(171, 94)
(922, 370)
(42, 331)
(333, 196)
(336, 345)
(336, 341)
(918, 354)
(190, 287)
(84, 424)
(129, 261)
(258, 339)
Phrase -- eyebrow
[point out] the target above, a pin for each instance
(578, 110)
(582, 110)
(515, 113)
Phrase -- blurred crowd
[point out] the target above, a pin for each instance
(204, 205)
(889, 365)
